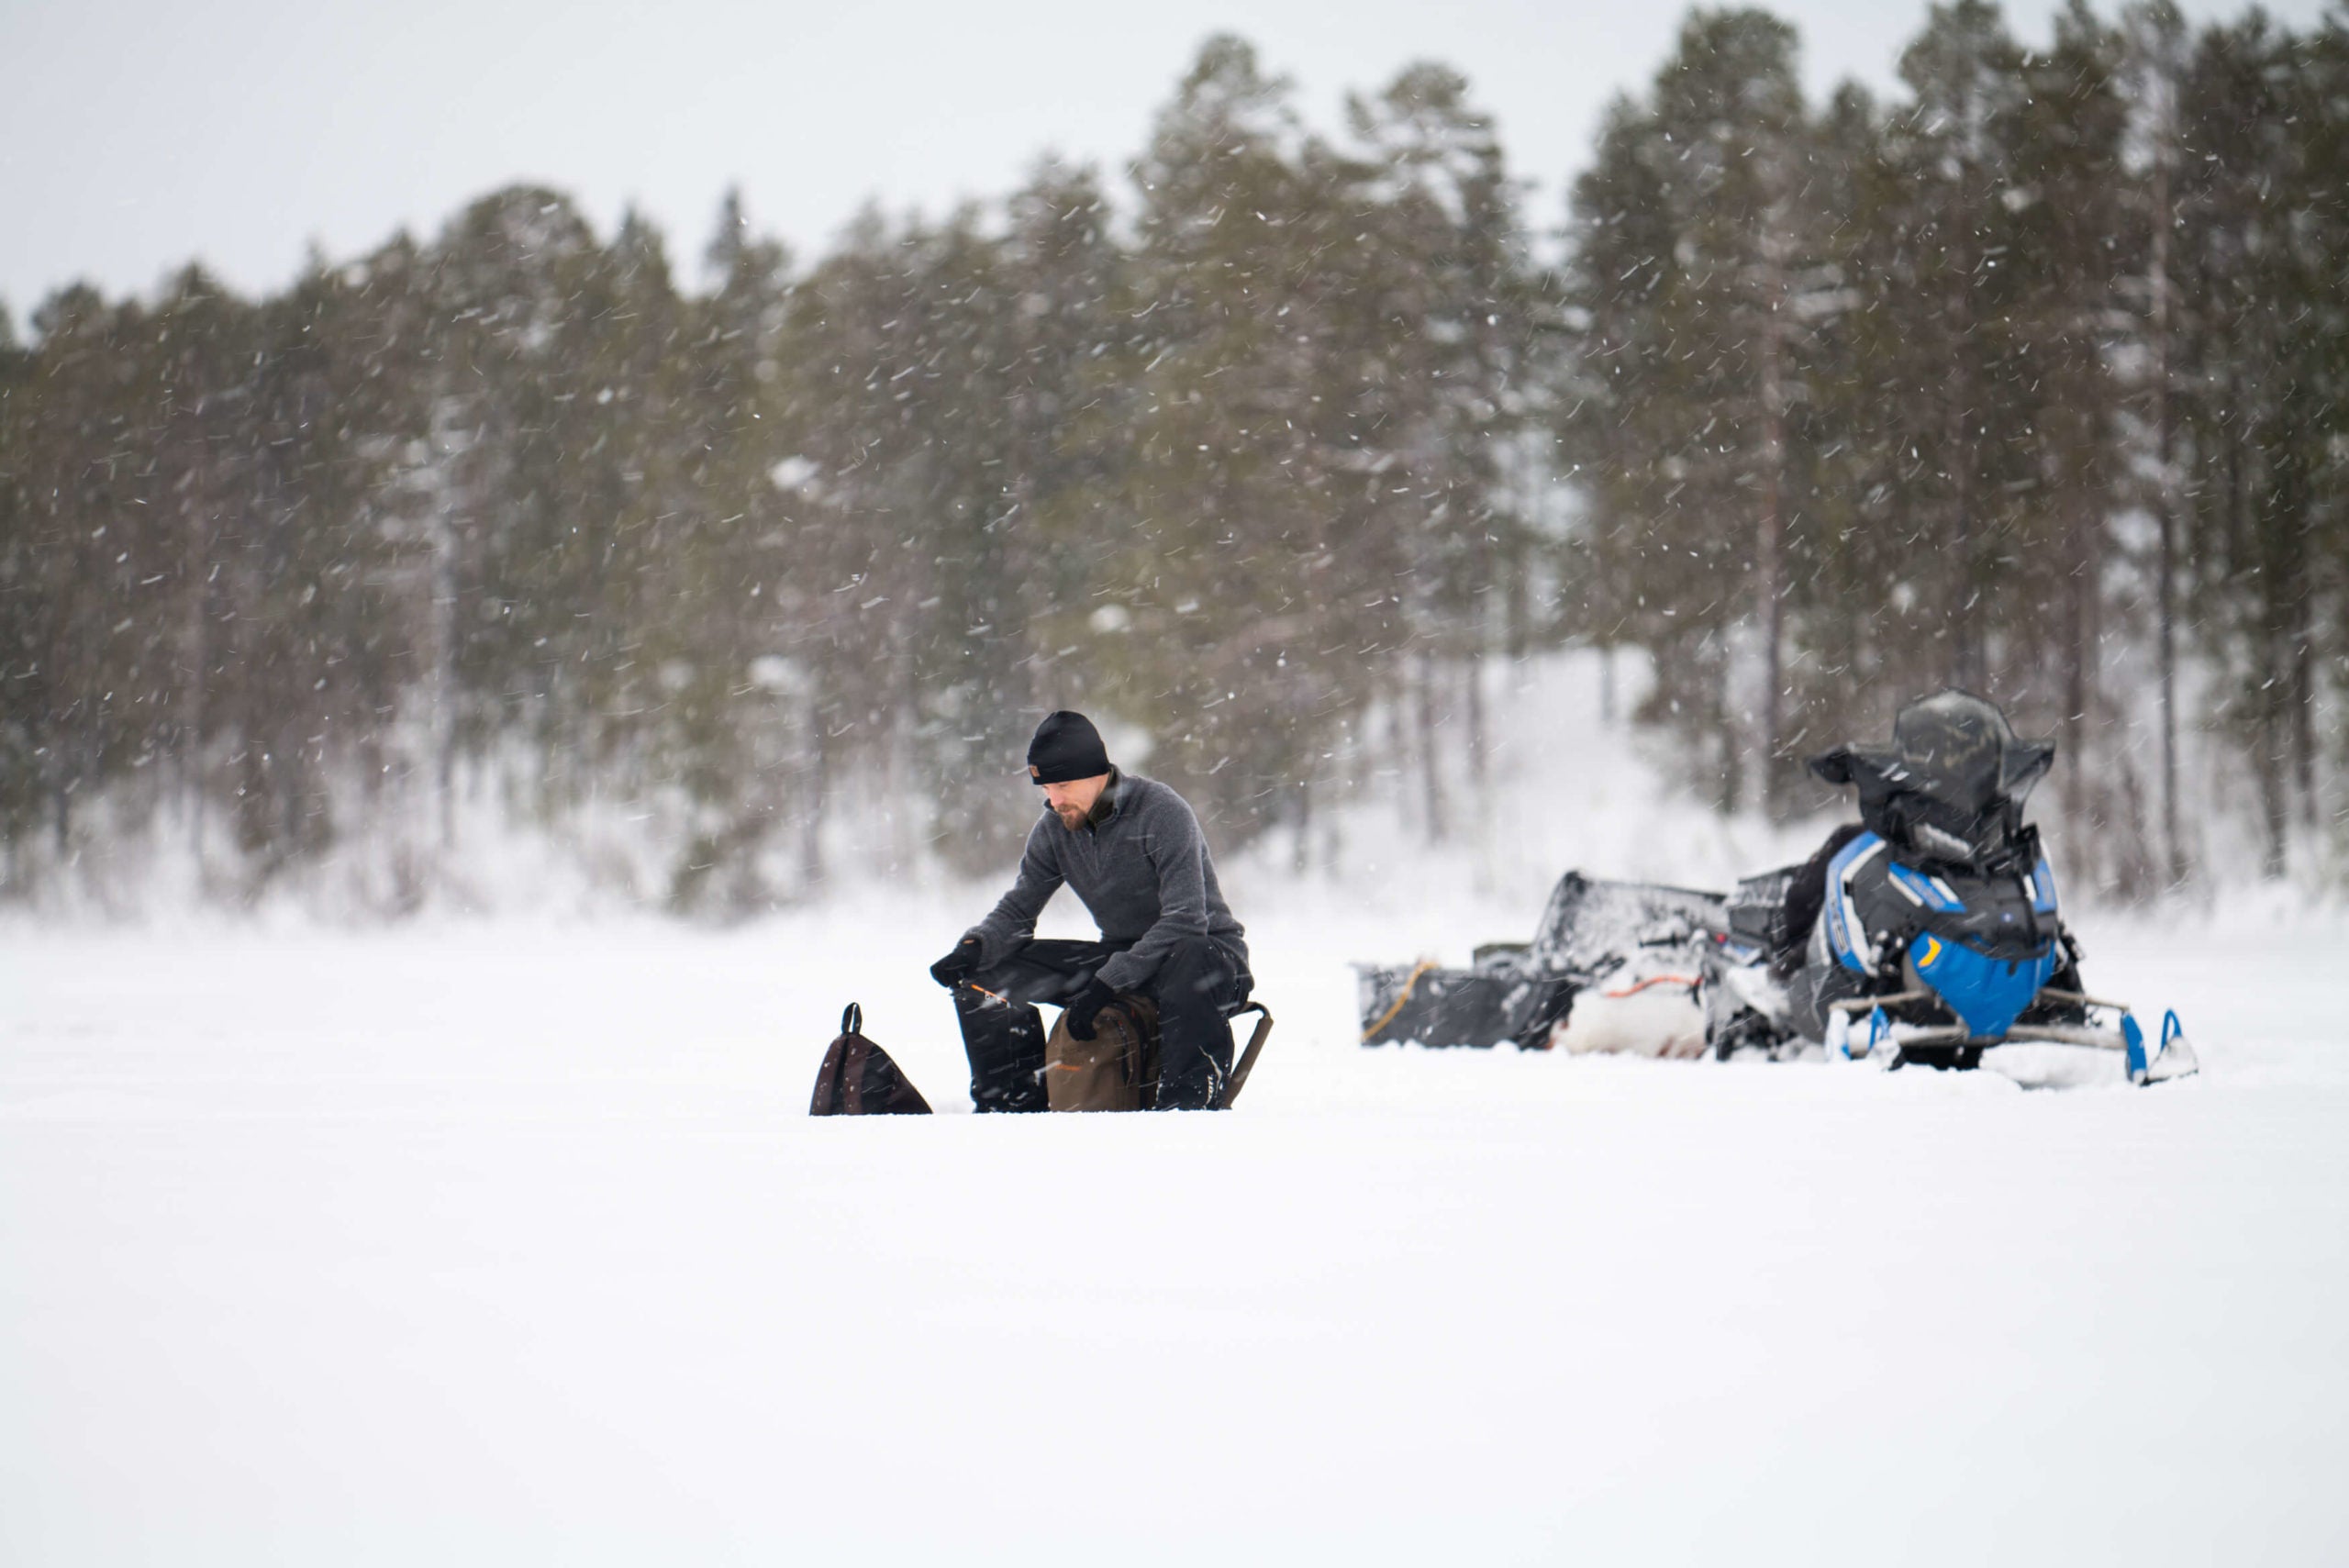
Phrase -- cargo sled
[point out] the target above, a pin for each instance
(1598, 942)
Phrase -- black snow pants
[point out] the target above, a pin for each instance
(1200, 981)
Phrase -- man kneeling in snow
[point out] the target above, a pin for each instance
(1131, 849)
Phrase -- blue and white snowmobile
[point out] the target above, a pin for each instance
(1935, 927)
(1927, 933)
(1931, 931)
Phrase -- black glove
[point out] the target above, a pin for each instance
(959, 965)
(1085, 1006)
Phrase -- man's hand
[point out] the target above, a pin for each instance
(1085, 1006)
(959, 965)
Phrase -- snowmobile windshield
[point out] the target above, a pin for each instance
(1953, 782)
(1963, 753)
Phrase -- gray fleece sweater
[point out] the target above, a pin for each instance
(1140, 866)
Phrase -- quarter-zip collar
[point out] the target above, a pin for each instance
(1104, 805)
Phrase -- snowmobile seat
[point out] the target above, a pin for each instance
(1802, 893)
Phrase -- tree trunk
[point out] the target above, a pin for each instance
(1301, 858)
(1959, 456)
(2274, 805)
(2304, 720)
(811, 813)
(441, 586)
(198, 652)
(1430, 770)
(1768, 563)
(1725, 717)
(2075, 680)
(1480, 789)
(2165, 506)
(2297, 522)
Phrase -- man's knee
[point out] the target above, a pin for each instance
(1196, 968)
(1032, 972)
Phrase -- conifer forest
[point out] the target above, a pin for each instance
(1277, 447)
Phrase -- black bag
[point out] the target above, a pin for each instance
(1435, 1006)
(859, 1079)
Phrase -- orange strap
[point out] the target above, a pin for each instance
(1391, 1013)
(1651, 980)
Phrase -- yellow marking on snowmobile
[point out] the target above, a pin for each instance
(1932, 952)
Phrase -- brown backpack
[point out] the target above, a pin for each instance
(859, 1079)
(1116, 1069)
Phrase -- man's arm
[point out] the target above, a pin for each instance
(1013, 920)
(1177, 850)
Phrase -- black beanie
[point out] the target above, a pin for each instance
(1066, 747)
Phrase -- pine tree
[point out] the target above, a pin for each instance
(1697, 252)
(1447, 302)
(2066, 263)
(2255, 420)
(2154, 38)
(1950, 250)
(1217, 545)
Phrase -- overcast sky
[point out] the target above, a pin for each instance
(135, 134)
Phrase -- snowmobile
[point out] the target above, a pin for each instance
(1926, 934)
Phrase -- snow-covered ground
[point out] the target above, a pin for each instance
(510, 1242)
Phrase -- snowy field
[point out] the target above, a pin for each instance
(511, 1242)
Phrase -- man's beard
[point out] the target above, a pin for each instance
(1071, 817)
